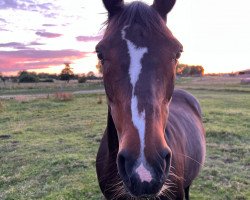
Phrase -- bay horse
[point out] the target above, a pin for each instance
(154, 143)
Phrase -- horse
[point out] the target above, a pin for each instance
(154, 143)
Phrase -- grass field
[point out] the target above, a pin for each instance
(10, 88)
(48, 147)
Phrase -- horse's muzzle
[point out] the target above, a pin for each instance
(142, 178)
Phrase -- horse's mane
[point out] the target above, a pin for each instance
(138, 13)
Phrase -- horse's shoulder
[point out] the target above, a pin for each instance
(185, 98)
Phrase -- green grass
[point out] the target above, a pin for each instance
(44, 88)
(51, 152)
(226, 174)
(48, 147)
(225, 84)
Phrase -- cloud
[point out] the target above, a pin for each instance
(3, 20)
(18, 45)
(89, 38)
(15, 45)
(50, 15)
(40, 54)
(36, 43)
(48, 34)
(5, 4)
(45, 6)
(46, 9)
(36, 59)
(49, 25)
(3, 29)
(10, 44)
(24, 5)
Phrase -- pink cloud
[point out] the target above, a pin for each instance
(36, 59)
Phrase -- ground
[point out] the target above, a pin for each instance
(48, 146)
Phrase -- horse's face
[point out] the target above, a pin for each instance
(138, 71)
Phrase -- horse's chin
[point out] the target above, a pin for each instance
(130, 195)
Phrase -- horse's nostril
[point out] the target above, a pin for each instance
(168, 160)
(123, 165)
(166, 156)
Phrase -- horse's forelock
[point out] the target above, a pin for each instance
(137, 13)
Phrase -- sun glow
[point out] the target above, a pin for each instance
(78, 66)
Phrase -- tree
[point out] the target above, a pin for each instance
(200, 70)
(82, 78)
(66, 73)
(186, 71)
(180, 68)
(2, 78)
(189, 70)
(91, 75)
(27, 77)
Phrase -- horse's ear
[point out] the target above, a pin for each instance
(113, 6)
(163, 7)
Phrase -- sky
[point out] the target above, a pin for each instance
(41, 35)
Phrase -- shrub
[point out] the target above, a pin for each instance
(82, 79)
(63, 96)
(26, 77)
(47, 80)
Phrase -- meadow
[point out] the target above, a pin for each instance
(10, 88)
(48, 146)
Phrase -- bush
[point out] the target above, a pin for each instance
(47, 80)
(14, 79)
(82, 79)
(27, 77)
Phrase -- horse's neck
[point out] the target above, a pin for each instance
(113, 143)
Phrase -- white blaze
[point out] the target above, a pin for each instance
(136, 54)
(143, 173)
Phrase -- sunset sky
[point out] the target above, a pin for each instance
(40, 35)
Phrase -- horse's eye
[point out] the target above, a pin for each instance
(178, 55)
(99, 56)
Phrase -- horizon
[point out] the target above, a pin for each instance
(215, 37)
(97, 74)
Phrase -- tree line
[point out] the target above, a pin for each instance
(189, 70)
(66, 74)
(181, 69)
